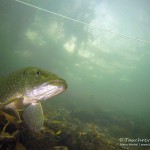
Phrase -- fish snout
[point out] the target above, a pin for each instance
(60, 83)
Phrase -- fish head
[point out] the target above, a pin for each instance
(41, 85)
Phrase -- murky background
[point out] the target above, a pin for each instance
(108, 75)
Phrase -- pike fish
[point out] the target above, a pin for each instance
(25, 89)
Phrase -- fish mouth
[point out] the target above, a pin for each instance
(45, 91)
(56, 87)
(61, 83)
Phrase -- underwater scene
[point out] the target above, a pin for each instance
(75, 75)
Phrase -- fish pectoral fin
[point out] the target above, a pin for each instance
(33, 116)
(11, 115)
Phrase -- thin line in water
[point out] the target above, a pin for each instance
(84, 23)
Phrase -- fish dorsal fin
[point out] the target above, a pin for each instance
(33, 116)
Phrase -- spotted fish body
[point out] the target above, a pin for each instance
(25, 89)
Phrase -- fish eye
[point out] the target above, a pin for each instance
(38, 73)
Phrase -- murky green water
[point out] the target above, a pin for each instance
(108, 71)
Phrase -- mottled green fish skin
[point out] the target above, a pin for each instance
(15, 85)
